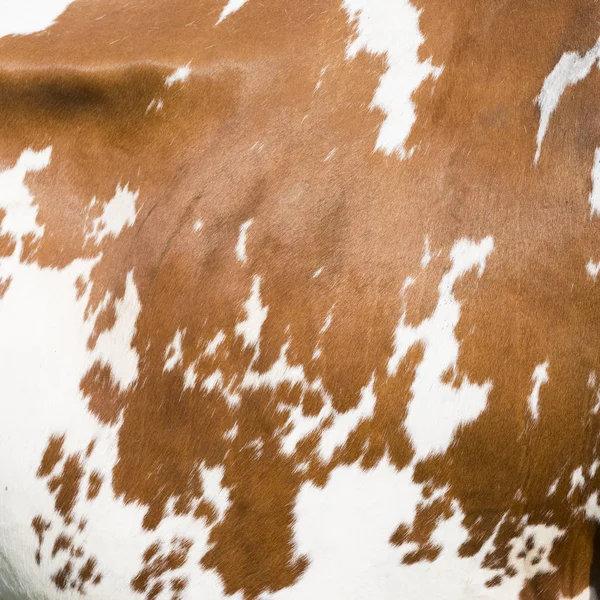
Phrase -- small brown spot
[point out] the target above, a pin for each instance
(52, 455)
(155, 590)
(90, 448)
(40, 527)
(156, 565)
(94, 485)
(65, 487)
(529, 543)
(105, 320)
(80, 286)
(151, 552)
(62, 577)
(427, 553)
(62, 543)
(178, 584)
(7, 242)
(448, 376)
(401, 535)
(494, 581)
(31, 244)
(312, 403)
(102, 392)
(86, 572)
(4, 285)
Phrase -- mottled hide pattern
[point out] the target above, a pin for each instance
(299, 299)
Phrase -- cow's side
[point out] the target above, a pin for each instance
(299, 299)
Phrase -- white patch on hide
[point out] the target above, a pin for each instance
(256, 315)
(213, 380)
(426, 258)
(114, 347)
(593, 268)
(437, 409)
(240, 248)
(216, 381)
(569, 70)
(214, 492)
(328, 321)
(539, 378)
(279, 372)
(190, 377)
(231, 7)
(213, 345)
(577, 481)
(119, 212)
(320, 81)
(392, 29)
(330, 155)
(173, 352)
(536, 560)
(29, 16)
(345, 423)
(155, 104)
(20, 211)
(318, 351)
(594, 198)
(180, 75)
(592, 509)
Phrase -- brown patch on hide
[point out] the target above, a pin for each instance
(61, 543)
(94, 485)
(40, 527)
(7, 242)
(104, 321)
(52, 455)
(62, 577)
(4, 285)
(76, 568)
(65, 486)
(427, 519)
(240, 538)
(79, 579)
(151, 579)
(104, 397)
(88, 574)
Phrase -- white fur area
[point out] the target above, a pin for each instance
(594, 198)
(569, 70)
(437, 409)
(231, 7)
(28, 16)
(119, 212)
(539, 378)
(391, 28)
